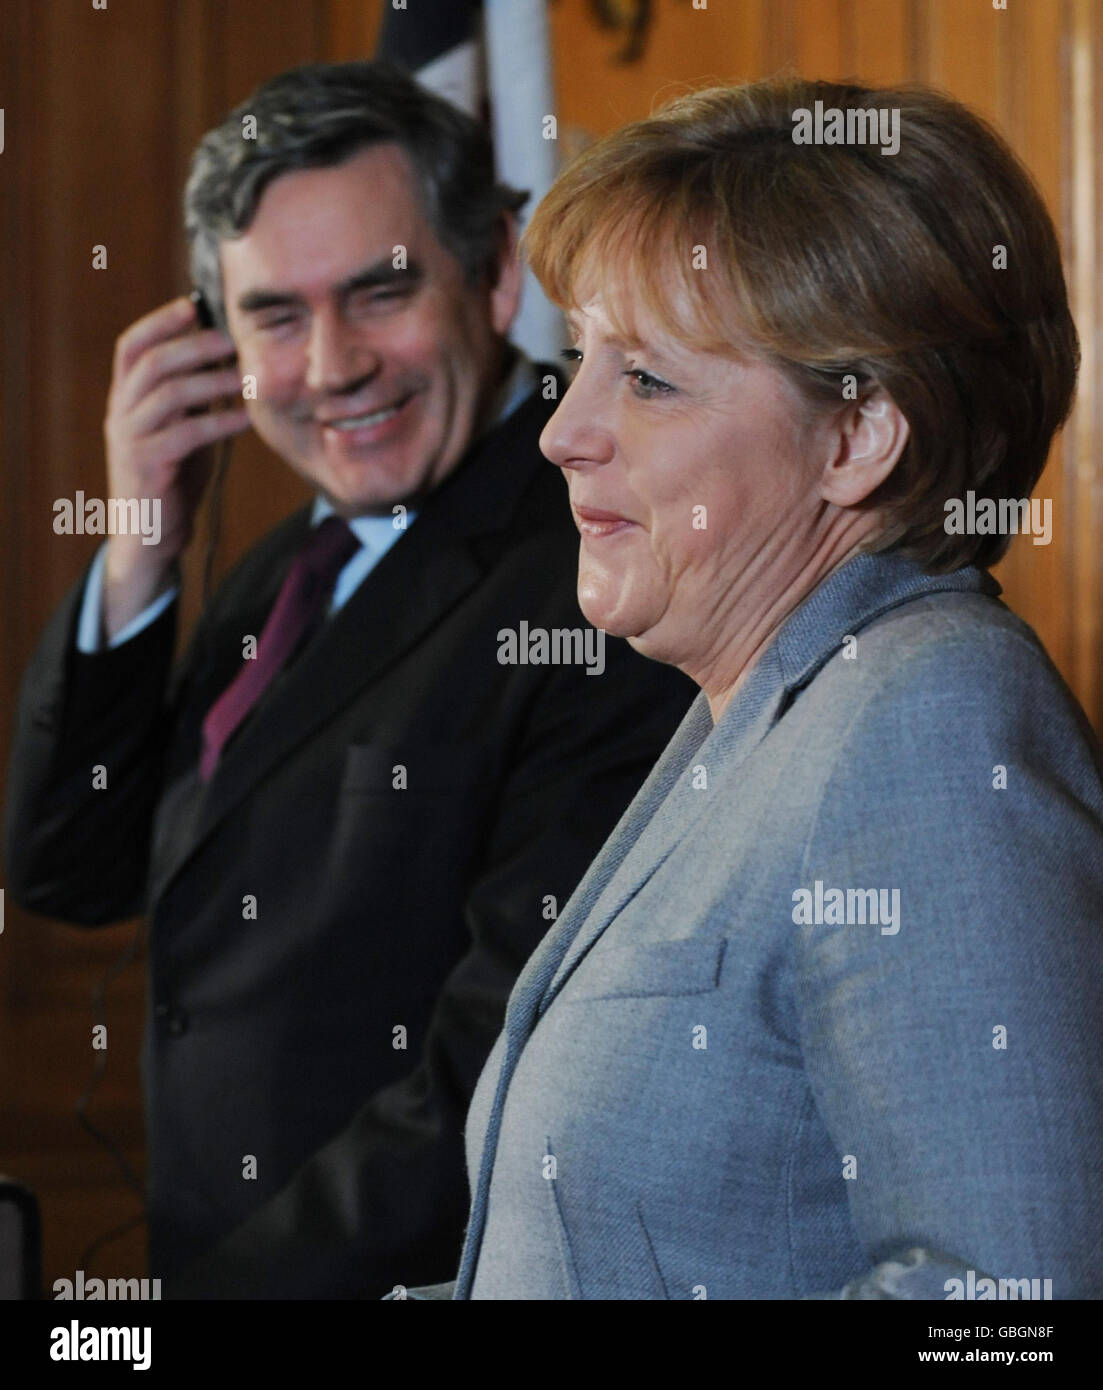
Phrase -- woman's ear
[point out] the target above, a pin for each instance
(505, 289)
(864, 443)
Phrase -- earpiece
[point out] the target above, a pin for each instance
(202, 309)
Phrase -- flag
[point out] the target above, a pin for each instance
(492, 58)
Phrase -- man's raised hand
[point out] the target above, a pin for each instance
(157, 430)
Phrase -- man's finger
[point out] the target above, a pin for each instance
(191, 433)
(178, 394)
(191, 352)
(164, 322)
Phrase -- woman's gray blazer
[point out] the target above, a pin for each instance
(825, 1017)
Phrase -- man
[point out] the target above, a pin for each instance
(348, 842)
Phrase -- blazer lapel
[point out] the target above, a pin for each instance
(664, 811)
(412, 589)
(668, 805)
(588, 908)
(700, 768)
(660, 816)
(399, 602)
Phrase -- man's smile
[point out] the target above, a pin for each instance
(367, 427)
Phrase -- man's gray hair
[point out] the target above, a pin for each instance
(319, 115)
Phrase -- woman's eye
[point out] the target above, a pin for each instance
(647, 386)
(571, 355)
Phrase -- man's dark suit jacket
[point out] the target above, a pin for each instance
(335, 1036)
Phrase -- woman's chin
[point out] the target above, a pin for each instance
(607, 599)
(600, 613)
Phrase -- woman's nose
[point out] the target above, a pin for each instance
(575, 436)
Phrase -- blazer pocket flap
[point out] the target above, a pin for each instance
(422, 767)
(690, 965)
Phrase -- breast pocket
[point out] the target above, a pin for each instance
(421, 769)
(638, 970)
(409, 822)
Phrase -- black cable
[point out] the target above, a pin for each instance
(99, 996)
(99, 1067)
(214, 526)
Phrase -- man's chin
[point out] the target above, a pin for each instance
(361, 496)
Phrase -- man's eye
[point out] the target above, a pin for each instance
(284, 319)
(364, 299)
(647, 386)
(571, 355)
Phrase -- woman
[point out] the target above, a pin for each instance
(824, 1018)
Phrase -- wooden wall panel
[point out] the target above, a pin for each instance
(86, 135)
(686, 47)
(880, 44)
(244, 48)
(102, 112)
(746, 35)
(819, 33)
(1033, 117)
(1034, 71)
(964, 40)
(351, 29)
(1084, 460)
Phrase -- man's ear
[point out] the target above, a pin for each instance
(864, 443)
(506, 275)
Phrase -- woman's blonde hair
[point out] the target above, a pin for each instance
(840, 261)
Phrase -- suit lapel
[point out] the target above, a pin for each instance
(605, 877)
(412, 589)
(662, 814)
(685, 797)
(669, 806)
(664, 811)
(405, 597)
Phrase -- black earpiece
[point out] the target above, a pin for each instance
(202, 309)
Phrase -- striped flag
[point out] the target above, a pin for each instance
(492, 58)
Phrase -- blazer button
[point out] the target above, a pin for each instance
(175, 1021)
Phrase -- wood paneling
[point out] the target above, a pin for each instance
(1034, 71)
(1032, 106)
(102, 111)
(818, 37)
(1084, 459)
(880, 44)
(686, 47)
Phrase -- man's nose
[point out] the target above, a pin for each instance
(337, 355)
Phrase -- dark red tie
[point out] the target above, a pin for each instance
(298, 609)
